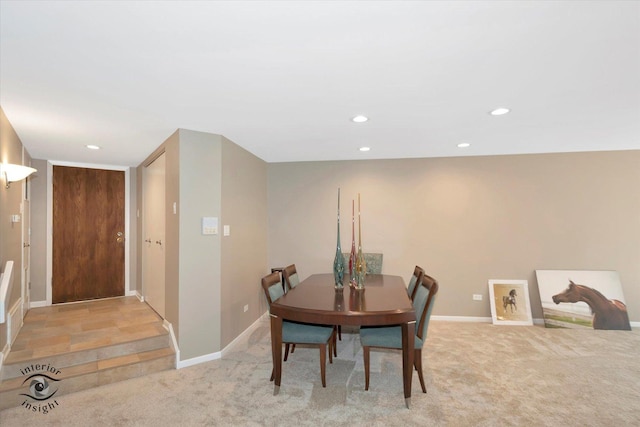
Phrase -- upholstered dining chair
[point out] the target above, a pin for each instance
(391, 336)
(416, 278)
(290, 276)
(299, 333)
(291, 280)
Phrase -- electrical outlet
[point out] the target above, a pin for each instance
(477, 297)
(246, 308)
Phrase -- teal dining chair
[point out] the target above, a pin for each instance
(290, 276)
(418, 272)
(299, 333)
(391, 336)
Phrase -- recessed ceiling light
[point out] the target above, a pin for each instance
(365, 148)
(360, 119)
(464, 145)
(499, 111)
(92, 147)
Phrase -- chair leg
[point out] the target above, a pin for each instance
(365, 352)
(323, 362)
(286, 352)
(293, 348)
(331, 344)
(417, 362)
(340, 332)
(272, 375)
(335, 341)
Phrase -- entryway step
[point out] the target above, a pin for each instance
(91, 374)
(18, 362)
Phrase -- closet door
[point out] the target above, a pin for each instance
(153, 245)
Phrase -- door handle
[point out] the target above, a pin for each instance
(119, 237)
(159, 242)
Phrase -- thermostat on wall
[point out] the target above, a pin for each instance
(209, 225)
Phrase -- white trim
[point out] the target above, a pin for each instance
(127, 209)
(635, 324)
(462, 319)
(140, 297)
(174, 342)
(218, 355)
(4, 354)
(11, 336)
(38, 304)
(14, 321)
(245, 334)
(197, 360)
(536, 321)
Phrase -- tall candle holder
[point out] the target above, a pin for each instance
(361, 265)
(338, 262)
(352, 255)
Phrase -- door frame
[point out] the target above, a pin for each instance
(127, 229)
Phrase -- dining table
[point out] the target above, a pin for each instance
(382, 302)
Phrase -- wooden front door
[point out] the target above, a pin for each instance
(88, 234)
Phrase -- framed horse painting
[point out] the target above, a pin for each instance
(582, 299)
(510, 302)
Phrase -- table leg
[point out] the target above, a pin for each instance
(276, 351)
(408, 333)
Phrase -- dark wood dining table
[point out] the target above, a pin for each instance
(384, 301)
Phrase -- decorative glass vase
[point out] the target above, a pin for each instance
(361, 265)
(338, 262)
(352, 255)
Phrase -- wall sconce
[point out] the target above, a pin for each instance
(14, 173)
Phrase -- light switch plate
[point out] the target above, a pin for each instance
(226, 230)
(209, 225)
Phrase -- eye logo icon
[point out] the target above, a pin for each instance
(39, 387)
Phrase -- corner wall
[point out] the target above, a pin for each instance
(244, 251)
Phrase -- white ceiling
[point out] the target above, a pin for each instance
(283, 79)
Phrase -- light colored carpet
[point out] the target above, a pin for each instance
(477, 374)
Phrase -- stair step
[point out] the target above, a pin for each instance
(15, 365)
(93, 374)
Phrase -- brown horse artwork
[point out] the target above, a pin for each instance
(607, 314)
(510, 301)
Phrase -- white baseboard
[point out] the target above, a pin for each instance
(15, 322)
(3, 355)
(219, 354)
(245, 334)
(37, 304)
(488, 320)
(174, 342)
(197, 360)
(462, 319)
(140, 297)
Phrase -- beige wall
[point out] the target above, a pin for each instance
(39, 231)
(244, 251)
(10, 199)
(199, 275)
(208, 279)
(467, 220)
